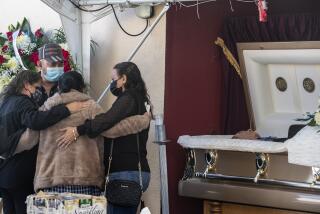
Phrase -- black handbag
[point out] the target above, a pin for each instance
(123, 192)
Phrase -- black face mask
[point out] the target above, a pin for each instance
(32, 95)
(114, 90)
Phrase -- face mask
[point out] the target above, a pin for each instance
(114, 90)
(53, 74)
(31, 94)
(34, 95)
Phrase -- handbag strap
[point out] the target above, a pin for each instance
(139, 162)
(110, 159)
(138, 147)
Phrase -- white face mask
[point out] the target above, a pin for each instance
(53, 74)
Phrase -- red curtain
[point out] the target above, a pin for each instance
(200, 98)
(192, 89)
(193, 85)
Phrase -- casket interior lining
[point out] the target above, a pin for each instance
(278, 84)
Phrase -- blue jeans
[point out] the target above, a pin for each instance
(130, 176)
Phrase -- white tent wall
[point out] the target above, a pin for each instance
(114, 47)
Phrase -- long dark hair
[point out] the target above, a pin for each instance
(134, 79)
(16, 85)
(71, 80)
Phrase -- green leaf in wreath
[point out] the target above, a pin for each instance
(11, 28)
(60, 36)
(312, 123)
(26, 29)
(3, 39)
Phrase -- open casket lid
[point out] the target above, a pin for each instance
(281, 82)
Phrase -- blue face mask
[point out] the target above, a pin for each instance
(53, 74)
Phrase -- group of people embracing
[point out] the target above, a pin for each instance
(56, 138)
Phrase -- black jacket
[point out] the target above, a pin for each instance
(40, 96)
(9, 142)
(18, 113)
(125, 152)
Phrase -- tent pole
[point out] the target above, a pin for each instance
(164, 10)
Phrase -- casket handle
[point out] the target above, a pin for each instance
(262, 161)
(316, 175)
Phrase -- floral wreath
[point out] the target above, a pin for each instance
(19, 49)
(312, 119)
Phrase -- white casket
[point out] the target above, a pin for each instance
(282, 83)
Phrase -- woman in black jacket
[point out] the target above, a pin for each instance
(132, 95)
(17, 112)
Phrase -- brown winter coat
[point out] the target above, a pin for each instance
(82, 162)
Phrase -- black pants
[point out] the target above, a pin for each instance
(14, 200)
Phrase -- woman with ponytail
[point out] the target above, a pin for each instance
(130, 90)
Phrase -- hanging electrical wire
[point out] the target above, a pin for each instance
(231, 6)
(261, 4)
(208, 1)
(247, 1)
(126, 32)
(86, 10)
(196, 4)
(192, 5)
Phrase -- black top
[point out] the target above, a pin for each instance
(125, 152)
(18, 113)
(40, 96)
